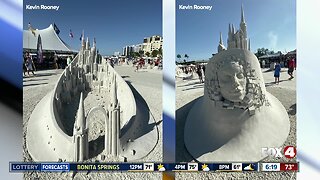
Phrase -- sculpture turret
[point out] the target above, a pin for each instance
(93, 49)
(94, 58)
(242, 14)
(94, 42)
(80, 134)
(114, 100)
(82, 42)
(243, 29)
(233, 29)
(88, 44)
(81, 120)
(221, 46)
(94, 53)
(114, 117)
(238, 39)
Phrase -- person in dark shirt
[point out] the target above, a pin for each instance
(291, 67)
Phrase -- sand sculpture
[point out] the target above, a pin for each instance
(58, 132)
(236, 117)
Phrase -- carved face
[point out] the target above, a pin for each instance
(232, 81)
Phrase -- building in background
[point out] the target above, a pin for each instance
(127, 50)
(137, 48)
(149, 44)
(117, 53)
(152, 43)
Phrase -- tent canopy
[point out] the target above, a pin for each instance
(50, 40)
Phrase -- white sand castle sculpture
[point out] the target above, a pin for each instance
(48, 136)
(236, 117)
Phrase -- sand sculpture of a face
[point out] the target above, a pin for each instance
(236, 114)
(234, 80)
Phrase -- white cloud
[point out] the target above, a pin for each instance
(206, 169)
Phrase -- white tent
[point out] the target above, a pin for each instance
(50, 40)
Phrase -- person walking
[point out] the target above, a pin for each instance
(29, 64)
(24, 67)
(199, 72)
(277, 69)
(291, 67)
(55, 61)
(204, 69)
(68, 60)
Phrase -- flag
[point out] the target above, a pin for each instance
(56, 29)
(82, 35)
(33, 31)
(70, 34)
(39, 50)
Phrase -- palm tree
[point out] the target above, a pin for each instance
(141, 53)
(179, 56)
(186, 56)
(154, 53)
(160, 52)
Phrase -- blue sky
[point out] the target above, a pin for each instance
(114, 23)
(270, 24)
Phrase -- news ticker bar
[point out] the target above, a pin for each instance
(152, 167)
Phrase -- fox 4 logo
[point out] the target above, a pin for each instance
(289, 152)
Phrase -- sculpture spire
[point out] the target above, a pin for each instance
(82, 40)
(221, 46)
(87, 44)
(233, 29)
(81, 121)
(221, 42)
(238, 38)
(94, 42)
(249, 45)
(114, 92)
(114, 116)
(80, 134)
(242, 14)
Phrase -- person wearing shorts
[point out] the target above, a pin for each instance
(291, 66)
(277, 69)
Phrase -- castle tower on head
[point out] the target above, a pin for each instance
(221, 46)
(237, 39)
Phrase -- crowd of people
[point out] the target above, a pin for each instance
(31, 63)
(198, 69)
(139, 63)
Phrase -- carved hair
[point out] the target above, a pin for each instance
(255, 90)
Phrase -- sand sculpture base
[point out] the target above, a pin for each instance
(214, 133)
